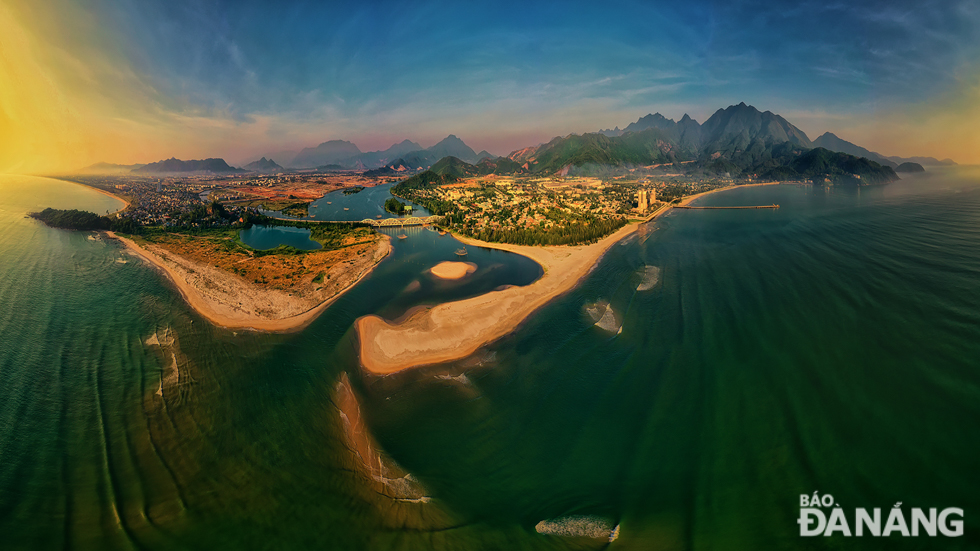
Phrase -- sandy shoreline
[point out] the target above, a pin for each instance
(227, 300)
(454, 330)
(114, 196)
(102, 191)
(219, 296)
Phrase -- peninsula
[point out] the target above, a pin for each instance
(198, 246)
(310, 282)
(454, 330)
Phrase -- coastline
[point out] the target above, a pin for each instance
(93, 188)
(454, 330)
(218, 311)
(217, 308)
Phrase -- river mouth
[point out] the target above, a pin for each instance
(826, 346)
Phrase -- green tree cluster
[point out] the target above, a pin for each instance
(82, 220)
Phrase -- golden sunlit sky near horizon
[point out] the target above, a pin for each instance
(135, 82)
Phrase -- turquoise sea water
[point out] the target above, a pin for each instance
(704, 375)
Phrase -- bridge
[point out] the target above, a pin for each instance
(402, 222)
(377, 223)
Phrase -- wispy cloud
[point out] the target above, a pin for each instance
(151, 78)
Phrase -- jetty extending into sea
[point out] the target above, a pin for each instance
(747, 207)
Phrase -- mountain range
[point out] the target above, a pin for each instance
(739, 140)
(176, 165)
(405, 153)
(264, 165)
(740, 137)
(833, 143)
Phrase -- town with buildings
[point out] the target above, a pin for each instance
(552, 210)
(169, 200)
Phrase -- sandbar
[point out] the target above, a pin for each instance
(455, 330)
(453, 270)
(227, 300)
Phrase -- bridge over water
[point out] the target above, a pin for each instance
(402, 222)
(377, 223)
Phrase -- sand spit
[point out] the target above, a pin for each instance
(454, 330)
(579, 526)
(174, 376)
(453, 270)
(228, 300)
(457, 329)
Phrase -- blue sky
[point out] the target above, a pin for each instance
(263, 76)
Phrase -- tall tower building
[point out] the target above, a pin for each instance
(644, 200)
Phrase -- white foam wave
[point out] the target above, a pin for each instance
(604, 316)
(579, 525)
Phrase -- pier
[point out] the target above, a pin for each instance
(748, 207)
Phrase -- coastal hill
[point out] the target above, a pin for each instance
(450, 146)
(406, 154)
(264, 165)
(380, 158)
(326, 153)
(928, 161)
(822, 164)
(910, 167)
(176, 165)
(453, 166)
(829, 140)
(833, 143)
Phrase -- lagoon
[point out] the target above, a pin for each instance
(270, 237)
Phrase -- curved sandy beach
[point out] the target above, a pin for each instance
(454, 330)
(229, 301)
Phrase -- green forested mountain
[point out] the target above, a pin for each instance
(737, 141)
(455, 167)
(818, 164)
(829, 140)
(909, 167)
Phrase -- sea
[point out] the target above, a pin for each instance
(712, 369)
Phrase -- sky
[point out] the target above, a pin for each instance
(135, 81)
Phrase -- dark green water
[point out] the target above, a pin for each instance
(832, 345)
(270, 237)
(368, 203)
